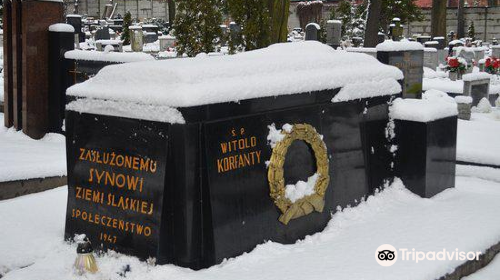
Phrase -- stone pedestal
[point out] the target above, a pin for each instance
(464, 110)
(495, 51)
(431, 58)
(136, 38)
(477, 89)
(425, 159)
(333, 33)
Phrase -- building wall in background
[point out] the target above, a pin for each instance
(486, 22)
(138, 8)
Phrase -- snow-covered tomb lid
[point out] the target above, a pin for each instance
(281, 69)
(396, 46)
(422, 110)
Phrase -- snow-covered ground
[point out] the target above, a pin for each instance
(24, 158)
(464, 218)
(478, 139)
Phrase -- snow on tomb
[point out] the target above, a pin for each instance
(409, 58)
(195, 160)
(88, 63)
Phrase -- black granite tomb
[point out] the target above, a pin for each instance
(193, 194)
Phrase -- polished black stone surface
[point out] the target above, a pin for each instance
(60, 78)
(425, 159)
(211, 210)
(114, 197)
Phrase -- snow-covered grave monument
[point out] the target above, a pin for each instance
(195, 160)
(409, 58)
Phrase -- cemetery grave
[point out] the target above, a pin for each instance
(279, 157)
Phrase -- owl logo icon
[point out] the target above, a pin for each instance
(386, 255)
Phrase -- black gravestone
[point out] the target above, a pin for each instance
(116, 182)
(479, 92)
(411, 63)
(425, 159)
(102, 34)
(312, 32)
(211, 201)
(76, 22)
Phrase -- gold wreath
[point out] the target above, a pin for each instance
(305, 205)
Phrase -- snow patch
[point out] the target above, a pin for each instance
(276, 135)
(463, 99)
(476, 76)
(437, 95)
(421, 110)
(301, 189)
(395, 46)
(367, 89)
(108, 57)
(127, 110)
(483, 106)
(62, 27)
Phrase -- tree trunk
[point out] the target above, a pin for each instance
(461, 20)
(372, 23)
(278, 11)
(171, 11)
(438, 18)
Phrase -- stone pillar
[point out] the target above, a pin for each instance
(464, 107)
(333, 33)
(431, 58)
(495, 51)
(17, 73)
(442, 53)
(7, 64)
(136, 38)
(37, 16)
(76, 22)
(61, 40)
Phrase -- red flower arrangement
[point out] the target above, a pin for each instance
(456, 65)
(491, 65)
